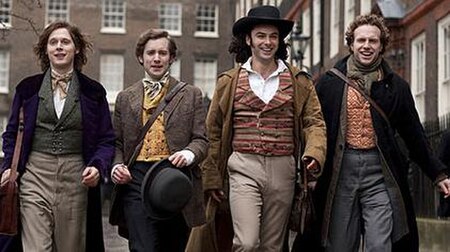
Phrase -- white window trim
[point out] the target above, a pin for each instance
(306, 29)
(115, 30)
(205, 76)
(47, 21)
(316, 31)
(5, 89)
(349, 13)
(214, 34)
(334, 27)
(365, 7)
(419, 92)
(175, 69)
(180, 23)
(112, 94)
(8, 25)
(443, 82)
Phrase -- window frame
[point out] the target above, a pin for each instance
(178, 20)
(115, 15)
(418, 73)
(6, 25)
(4, 89)
(213, 34)
(115, 74)
(205, 80)
(48, 19)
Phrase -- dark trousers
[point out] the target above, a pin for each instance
(147, 234)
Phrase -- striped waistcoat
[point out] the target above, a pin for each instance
(264, 129)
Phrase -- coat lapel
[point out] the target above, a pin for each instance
(175, 100)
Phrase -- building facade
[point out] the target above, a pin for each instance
(200, 28)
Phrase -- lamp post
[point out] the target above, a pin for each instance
(299, 44)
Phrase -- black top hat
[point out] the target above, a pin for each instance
(165, 190)
(265, 14)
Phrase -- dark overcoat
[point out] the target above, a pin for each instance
(97, 143)
(184, 122)
(393, 95)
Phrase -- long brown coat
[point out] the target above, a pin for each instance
(309, 127)
(184, 122)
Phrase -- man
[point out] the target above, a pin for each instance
(178, 134)
(364, 187)
(261, 114)
(68, 146)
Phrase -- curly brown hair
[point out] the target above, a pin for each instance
(80, 41)
(154, 34)
(369, 19)
(242, 51)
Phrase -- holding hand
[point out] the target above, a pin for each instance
(5, 176)
(91, 176)
(444, 187)
(121, 174)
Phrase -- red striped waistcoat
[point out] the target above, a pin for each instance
(259, 128)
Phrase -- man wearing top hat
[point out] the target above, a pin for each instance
(261, 113)
(177, 135)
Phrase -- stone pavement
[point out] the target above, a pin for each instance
(113, 242)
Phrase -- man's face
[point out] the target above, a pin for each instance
(263, 41)
(156, 58)
(367, 45)
(61, 50)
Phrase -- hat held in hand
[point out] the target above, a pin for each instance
(165, 190)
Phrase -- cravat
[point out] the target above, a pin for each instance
(60, 81)
(152, 88)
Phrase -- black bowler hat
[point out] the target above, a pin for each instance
(165, 190)
(265, 14)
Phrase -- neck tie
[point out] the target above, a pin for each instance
(60, 81)
(152, 88)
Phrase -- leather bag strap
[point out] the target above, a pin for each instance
(17, 147)
(152, 119)
(357, 88)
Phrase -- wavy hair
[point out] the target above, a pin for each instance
(154, 34)
(369, 19)
(242, 51)
(80, 41)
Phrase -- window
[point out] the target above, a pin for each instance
(443, 48)
(3, 123)
(57, 10)
(207, 20)
(316, 32)
(205, 74)
(111, 74)
(170, 18)
(113, 18)
(349, 13)
(306, 24)
(5, 14)
(175, 69)
(334, 28)
(4, 71)
(418, 74)
(366, 6)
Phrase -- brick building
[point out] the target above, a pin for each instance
(201, 29)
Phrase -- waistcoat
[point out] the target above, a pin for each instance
(58, 136)
(260, 128)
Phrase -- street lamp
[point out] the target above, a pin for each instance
(299, 44)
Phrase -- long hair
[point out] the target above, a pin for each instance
(369, 19)
(154, 34)
(80, 41)
(242, 51)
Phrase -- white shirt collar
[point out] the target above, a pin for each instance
(281, 67)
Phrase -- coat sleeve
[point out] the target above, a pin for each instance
(9, 136)
(314, 129)
(212, 178)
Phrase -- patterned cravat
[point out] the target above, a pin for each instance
(153, 88)
(61, 81)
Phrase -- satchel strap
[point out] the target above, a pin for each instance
(152, 119)
(357, 88)
(17, 147)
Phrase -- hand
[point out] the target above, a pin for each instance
(311, 164)
(90, 176)
(5, 176)
(216, 194)
(121, 175)
(178, 159)
(444, 187)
